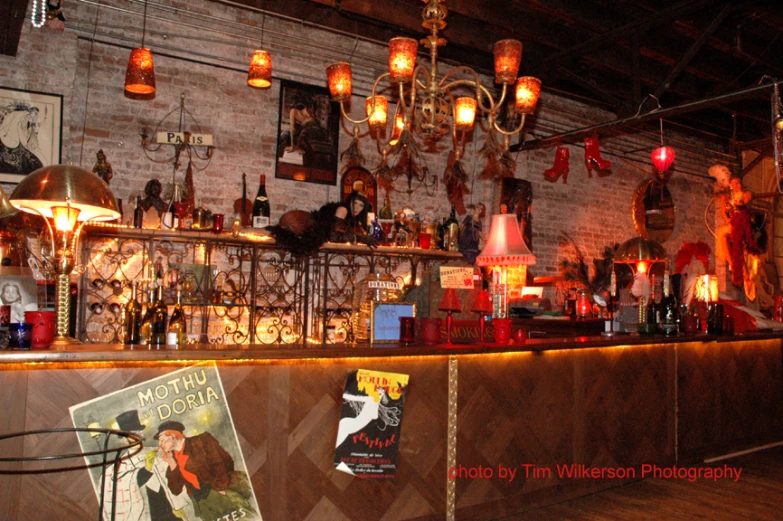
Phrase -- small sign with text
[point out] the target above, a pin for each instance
(458, 278)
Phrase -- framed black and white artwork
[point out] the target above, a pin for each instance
(30, 132)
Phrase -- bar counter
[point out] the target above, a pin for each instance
(603, 402)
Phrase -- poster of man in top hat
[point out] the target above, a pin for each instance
(191, 466)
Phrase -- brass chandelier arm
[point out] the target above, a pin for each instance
(475, 82)
(372, 93)
(512, 132)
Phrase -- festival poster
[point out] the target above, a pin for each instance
(191, 466)
(368, 435)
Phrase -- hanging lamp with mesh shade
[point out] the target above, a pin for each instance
(259, 75)
(140, 75)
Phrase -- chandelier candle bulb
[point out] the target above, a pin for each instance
(465, 109)
(402, 58)
(527, 91)
(378, 111)
(338, 76)
(508, 55)
(259, 75)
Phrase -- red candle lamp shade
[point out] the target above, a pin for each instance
(402, 58)
(340, 81)
(450, 304)
(662, 158)
(508, 55)
(140, 74)
(528, 89)
(259, 75)
(482, 306)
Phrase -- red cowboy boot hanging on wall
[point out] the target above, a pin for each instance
(560, 167)
(593, 156)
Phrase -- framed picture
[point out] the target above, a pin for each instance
(30, 132)
(385, 321)
(18, 290)
(307, 134)
(358, 179)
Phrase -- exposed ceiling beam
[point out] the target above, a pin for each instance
(580, 133)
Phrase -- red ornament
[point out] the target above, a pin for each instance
(662, 158)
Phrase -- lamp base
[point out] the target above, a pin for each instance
(64, 341)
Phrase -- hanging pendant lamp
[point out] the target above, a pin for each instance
(259, 74)
(140, 75)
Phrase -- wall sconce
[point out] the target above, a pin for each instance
(64, 196)
(504, 247)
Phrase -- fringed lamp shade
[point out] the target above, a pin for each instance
(508, 55)
(505, 245)
(140, 75)
(527, 91)
(340, 81)
(259, 74)
(402, 58)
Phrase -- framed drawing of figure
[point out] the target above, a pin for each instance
(307, 136)
(30, 132)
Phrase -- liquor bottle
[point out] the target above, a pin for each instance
(261, 209)
(132, 319)
(443, 236)
(178, 330)
(652, 308)
(385, 212)
(453, 228)
(145, 330)
(160, 318)
(199, 217)
(138, 214)
(377, 231)
(668, 309)
(170, 219)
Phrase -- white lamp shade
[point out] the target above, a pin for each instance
(505, 245)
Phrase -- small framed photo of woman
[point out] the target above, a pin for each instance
(18, 290)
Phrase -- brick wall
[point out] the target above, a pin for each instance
(203, 53)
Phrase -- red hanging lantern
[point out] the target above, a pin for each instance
(662, 158)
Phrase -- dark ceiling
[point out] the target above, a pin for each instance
(611, 53)
(608, 53)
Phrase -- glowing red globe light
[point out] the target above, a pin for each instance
(662, 158)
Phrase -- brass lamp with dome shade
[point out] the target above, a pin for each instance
(640, 254)
(67, 197)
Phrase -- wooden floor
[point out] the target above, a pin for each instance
(757, 496)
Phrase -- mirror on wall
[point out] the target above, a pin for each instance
(653, 210)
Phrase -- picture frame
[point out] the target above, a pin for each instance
(30, 132)
(308, 128)
(385, 320)
(19, 290)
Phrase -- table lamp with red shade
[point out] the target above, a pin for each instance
(450, 304)
(482, 306)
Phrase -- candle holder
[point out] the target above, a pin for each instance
(450, 303)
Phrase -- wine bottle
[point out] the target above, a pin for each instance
(668, 308)
(452, 224)
(261, 209)
(652, 309)
(138, 214)
(160, 318)
(177, 333)
(145, 330)
(443, 236)
(132, 319)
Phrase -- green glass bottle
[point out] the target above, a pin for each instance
(160, 319)
(132, 320)
(178, 329)
(145, 329)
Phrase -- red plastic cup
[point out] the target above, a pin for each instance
(502, 330)
(407, 330)
(43, 327)
(425, 241)
(430, 330)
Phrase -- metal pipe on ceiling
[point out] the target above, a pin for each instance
(573, 135)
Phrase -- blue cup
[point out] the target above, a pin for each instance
(20, 335)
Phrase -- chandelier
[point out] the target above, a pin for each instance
(433, 108)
